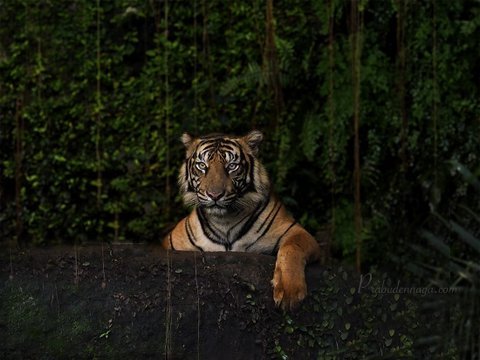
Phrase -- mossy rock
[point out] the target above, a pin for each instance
(140, 301)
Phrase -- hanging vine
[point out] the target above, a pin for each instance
(19, 148)
(401, 73)
(271, 70)
(434, 93)
(195, 69)
(356, 23)
(331, 110)
(98, 119)
(207, 61)
(98, 109)
(168, 189)
(19, 136)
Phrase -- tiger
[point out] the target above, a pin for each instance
(235, 209)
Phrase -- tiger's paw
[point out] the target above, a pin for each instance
(288, 290)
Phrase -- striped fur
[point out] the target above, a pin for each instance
(234, 210)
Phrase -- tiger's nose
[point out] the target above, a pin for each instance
(214, 195)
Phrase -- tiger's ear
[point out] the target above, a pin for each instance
(186, 139)
(253, 140)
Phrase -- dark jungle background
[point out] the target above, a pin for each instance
(370, 111)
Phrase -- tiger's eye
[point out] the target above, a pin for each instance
(201, 166)
(232, 167)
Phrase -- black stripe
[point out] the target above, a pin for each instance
(213, 229)
(271, 221)
(186, 170)
(208, 141)
(242, 176)
(187, 176)
(207, 148)
(228, 147)
(268, 228)
(275, 248)
(229, 142)
(252, 175)
(217, 141)
(190, 235)
(253, 243)
(237, 223)
(206, 228)
(268, 216)
(171, 242)
(254, 217)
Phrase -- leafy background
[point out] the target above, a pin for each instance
(94, 96)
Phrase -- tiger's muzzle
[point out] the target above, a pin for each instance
(216, 189)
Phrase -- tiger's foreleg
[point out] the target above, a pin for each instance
(296, 250)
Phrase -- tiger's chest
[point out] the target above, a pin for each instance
(247, 243)
(258, 232)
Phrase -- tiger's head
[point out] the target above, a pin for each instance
(221, 173)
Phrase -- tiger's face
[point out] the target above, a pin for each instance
(222, 174)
